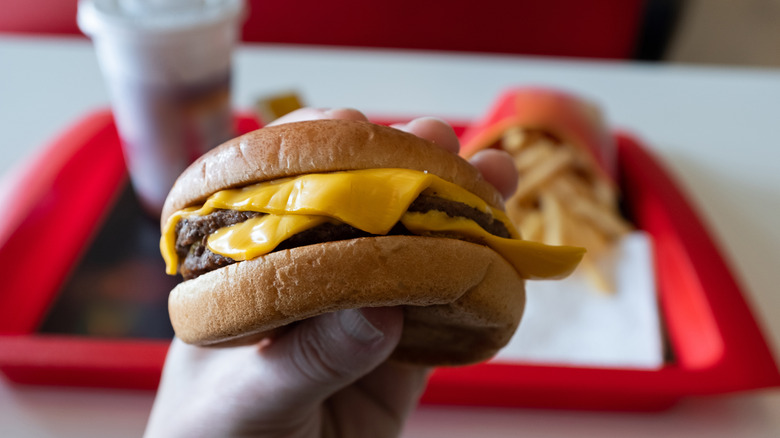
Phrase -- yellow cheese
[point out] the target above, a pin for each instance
(532, 260)
(372, 200)
(259, 235)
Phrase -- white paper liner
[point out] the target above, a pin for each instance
(570, 323)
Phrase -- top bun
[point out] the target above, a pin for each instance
(313, 147)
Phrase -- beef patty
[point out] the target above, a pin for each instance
(196, 259)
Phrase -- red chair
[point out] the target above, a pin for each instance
(614, 29)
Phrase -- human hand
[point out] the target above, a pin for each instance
(326, 376)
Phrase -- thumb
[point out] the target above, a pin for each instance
(326, 353)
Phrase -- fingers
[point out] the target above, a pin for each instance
(281, 385)
(433, 129)
(328, 352)
(385, 398)
(497, 168)
(430, 128)
(302, 114)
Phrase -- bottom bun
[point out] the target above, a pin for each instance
(462, 301)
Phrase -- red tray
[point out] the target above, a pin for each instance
(715, 344)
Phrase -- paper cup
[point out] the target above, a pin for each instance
(167, 66)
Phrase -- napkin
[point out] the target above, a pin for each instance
(570, 323)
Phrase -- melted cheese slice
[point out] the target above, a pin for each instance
(259, 235)
(532, 260)
(372, 200)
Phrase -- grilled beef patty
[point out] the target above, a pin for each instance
(196, 259)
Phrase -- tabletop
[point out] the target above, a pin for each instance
(714, 128)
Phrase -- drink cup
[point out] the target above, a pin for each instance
(167, 67)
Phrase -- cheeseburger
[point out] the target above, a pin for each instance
(296, 220)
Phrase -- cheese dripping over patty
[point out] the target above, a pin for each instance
(372, 200)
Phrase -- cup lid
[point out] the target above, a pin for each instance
(155, 18)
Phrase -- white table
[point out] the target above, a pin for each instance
(717, 130)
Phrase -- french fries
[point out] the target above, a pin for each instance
(562, 199)
(271, 107)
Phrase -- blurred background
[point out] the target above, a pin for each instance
(728, 32)
(716, 32)
(741, 35)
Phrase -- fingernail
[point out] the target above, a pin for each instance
(354, 323)
(344, 113)
(429, 119)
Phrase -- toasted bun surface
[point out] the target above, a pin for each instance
(318, 146)
(473, 298)
(462, 301)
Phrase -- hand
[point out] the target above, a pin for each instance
(325, 377)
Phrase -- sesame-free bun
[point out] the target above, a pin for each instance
(462, 301)
(471, 298)
(318, 146)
